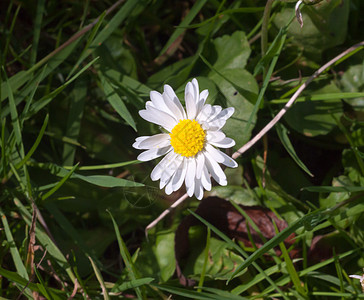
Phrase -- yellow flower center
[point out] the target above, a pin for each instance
(187, 138)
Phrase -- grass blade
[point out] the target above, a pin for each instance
(116, 102)
(36, 31)
(77, 101)
(126, 256)
(290, 267)
(46, 241)
(35, 145)
(100, 279)
(283, 136)
(20, 268)
(59, 184)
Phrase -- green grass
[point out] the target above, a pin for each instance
(74, 75)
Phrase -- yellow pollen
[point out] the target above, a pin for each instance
(187, 138)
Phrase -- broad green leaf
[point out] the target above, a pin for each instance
(232, 51)
(235, 126)
(237, 194)
(352, 81)
(221, 260)
(325, 25)
(314, 118)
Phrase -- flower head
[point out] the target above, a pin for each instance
(189, 145)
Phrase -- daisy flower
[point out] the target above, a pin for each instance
(189, 141)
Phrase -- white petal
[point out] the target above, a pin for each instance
(173, 108)
(158, 103)
(198, 189)
(219, 121)
(158, 117)
(200, 163)
(205, 179)
(215, 154)
(203, 95)
(169, 171)
(214, 136)
(196, 89)
(215, 170)
(190, 176)
(138, 140)
(180, 175)
(169, 186)
(199, 104)
(190, 106)
(225, 143)
(216, 110)
(171, 95)
(153, 153)
(158, 169)
(155, 141)
(228, 161)
(149, 104)
(204, 113)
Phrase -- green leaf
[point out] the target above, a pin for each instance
(188, 294)
(232, 245)
(77, 101)
(130, 269)
(100, 180)
(283, 136)
(309, 221)
(46, 241)
(35, 145)
(100, 279)
(221, 260)
(291, 269)
(325, 25)
(314, 118)
(334, 189)
(186, 21)
(232, 51)
(116, 101)
(132, 284)
(59, 184)
(35, 107)
(234, 127)
(21, 270)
